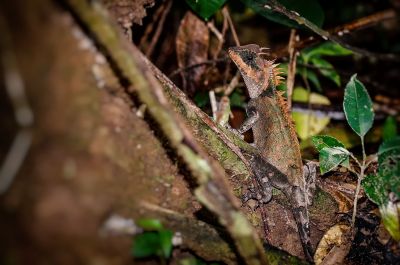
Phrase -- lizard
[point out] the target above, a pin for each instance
(274, 138)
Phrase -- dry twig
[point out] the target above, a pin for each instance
(291, 68)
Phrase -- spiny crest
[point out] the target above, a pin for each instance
(276, 71)
(284, 108)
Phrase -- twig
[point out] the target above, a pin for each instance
(232, 85)
(216, 32)
(225, 12)
(189, 67)
(15, 88)
(335, 32)
(220, 35)
(214, 105)
(291, 68)
(160, 26)
(150, 27)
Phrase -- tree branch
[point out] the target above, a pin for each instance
(212, 190)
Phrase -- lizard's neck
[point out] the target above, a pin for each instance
(255, 89)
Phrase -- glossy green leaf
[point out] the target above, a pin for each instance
(149, 224)
(325, 49)
(326, 69)
(322, 141)
(309, 9)
(357, 107)
(329, 158)
(205, 8)
(389, 128)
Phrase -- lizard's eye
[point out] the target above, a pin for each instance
(249, 57)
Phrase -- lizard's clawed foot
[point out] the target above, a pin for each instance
(237, 133)
(234, 131)
(260, 198)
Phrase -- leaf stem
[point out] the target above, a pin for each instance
(360, 177)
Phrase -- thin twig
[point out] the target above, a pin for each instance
(355, 159)
(216, 32)
(291, 68)
(150, 27)
(225, 11)
(214, 105)
(189, 67)
(308, 87)
(232, 85)
(160, 26)
(335, 33)
(24, 117)
(360, 177)
(220, 35)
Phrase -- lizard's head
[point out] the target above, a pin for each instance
(252, 67)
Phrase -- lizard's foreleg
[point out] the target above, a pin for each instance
(252, 118)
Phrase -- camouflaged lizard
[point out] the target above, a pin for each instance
(274, 137)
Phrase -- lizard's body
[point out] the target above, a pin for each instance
(274, 135)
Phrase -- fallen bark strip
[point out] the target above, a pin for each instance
(212, 190)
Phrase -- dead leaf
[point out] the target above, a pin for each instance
(192, 44)
(334, 246)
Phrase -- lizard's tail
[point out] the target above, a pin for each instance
(300, 214)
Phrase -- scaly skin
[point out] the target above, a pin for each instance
(274, 134)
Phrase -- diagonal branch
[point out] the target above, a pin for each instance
(334, 35)
(212, 190)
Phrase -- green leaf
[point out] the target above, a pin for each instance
(357, 107)
(149, 224)
(153, 244)
(329, 158)
(309, 9)
(312, 76)
(391, 144)
(326, 69)
(205, 8)
(389, 164)
(166, 242)
(325, 49)
(322, 141)
(375, 189)
(146, 245)
(389, 128)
